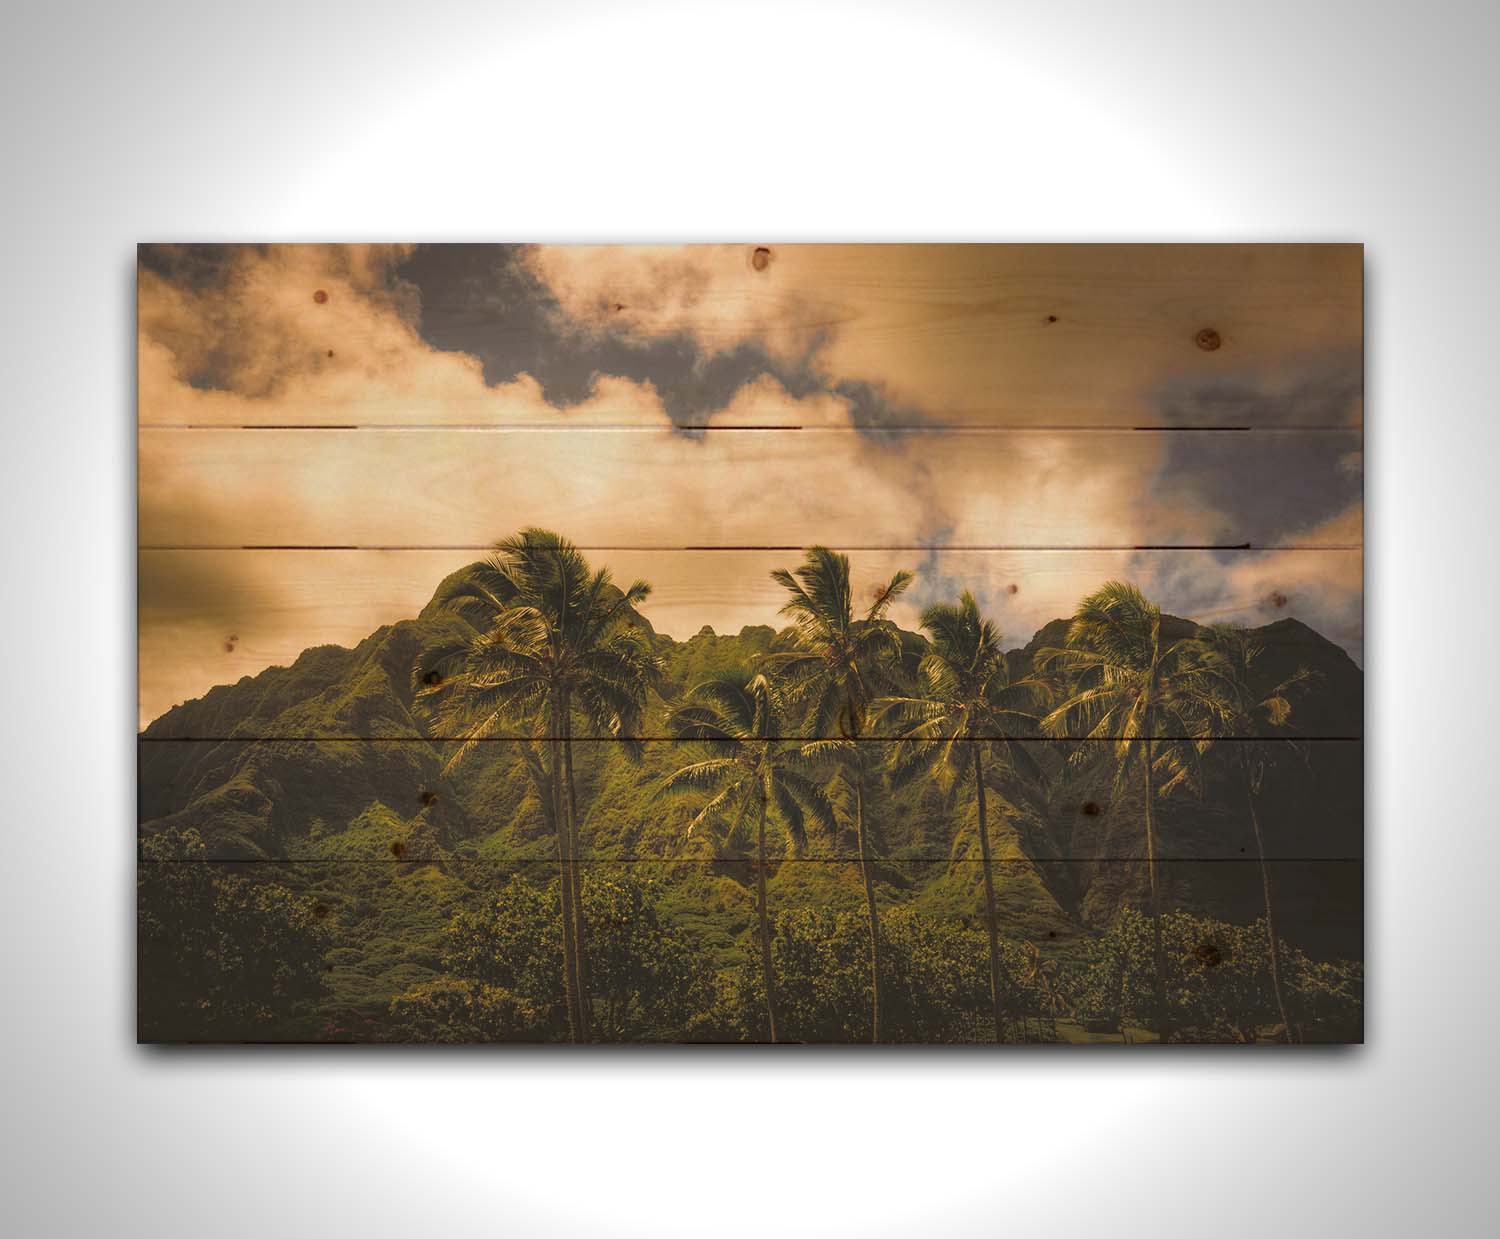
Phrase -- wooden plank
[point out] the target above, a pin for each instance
(349, 951)
(650, 488)
(328, 432)
(402, 800)
(1001, 335)
(212, 617)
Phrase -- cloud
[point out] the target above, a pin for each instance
(765, 402)
(247, 340)
(248, 343)
(266, 323)
(250, 348)
(1038, 335)
(1323, 588)
(307, 335)
(712, 293)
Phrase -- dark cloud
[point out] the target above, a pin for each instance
(487, 301)
(1325, 393)
(194, 267)
(1322, 589)
(1319, 404)
(1262, 492)
(869, 409)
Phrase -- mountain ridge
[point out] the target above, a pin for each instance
(329, 756)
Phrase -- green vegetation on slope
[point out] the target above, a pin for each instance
(353, 869)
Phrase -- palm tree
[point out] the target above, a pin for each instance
(1123, 687)
(1227, 690)
(553, 638)
(970, 704)
(736, 716)
(839, 665)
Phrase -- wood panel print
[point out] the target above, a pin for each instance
(751, 643)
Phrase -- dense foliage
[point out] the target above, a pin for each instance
(505, 966)
(410, 889)
(1218, 985)
(220, 954)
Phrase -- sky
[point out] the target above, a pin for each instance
(328, 431)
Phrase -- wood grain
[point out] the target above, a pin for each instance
(326, 434)
(991, 335)
(214, 616)
(414, 805)
(1320, 905)
(652, 488)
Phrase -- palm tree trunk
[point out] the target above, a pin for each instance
(989, 894)
(767, 976)
(580, 942)
(1265, 885)
(873, 914)
(1157, 953)
(565, 873)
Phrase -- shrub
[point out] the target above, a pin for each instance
(505, 964)
(1218, 982)
(452, 1009)
(936, 981)
(220, 956)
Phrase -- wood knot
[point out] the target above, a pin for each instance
(398, 849)
(760, 259)
(1207, 954)
(1012, 589)
(230, 642)
(1091, 809)
(1052, 318)
(1207, 340)
(320, 296)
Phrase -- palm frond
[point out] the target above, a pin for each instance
(888, 593)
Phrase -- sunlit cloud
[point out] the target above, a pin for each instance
(332, 336)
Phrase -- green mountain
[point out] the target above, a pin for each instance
(330, 761)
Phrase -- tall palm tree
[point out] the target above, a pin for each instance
(1228, 691)
(553, 639)
(736, 716)
(1124, 687)
(970, 703)
(839, 665)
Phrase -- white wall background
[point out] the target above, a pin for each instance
(764, 121)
